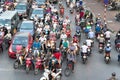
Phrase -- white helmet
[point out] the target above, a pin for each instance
(43, 78)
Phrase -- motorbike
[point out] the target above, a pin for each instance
(117, 46)
(64, 53)
(107, 58)
(84, 58)
(110, 7)
(54, 76)
(117, 17)
(39, 65)
(7, 42)
(101, 48)
(68, 69)
(28, 64)
(78, 34)
(17, 63)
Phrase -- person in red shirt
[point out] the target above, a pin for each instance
(75, 39)
(57, 55)
(81, 14)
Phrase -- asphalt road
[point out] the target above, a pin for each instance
(95, 69)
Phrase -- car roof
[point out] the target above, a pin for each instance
(22, 34)
(38, 9)
(27, 21)
(7, 14)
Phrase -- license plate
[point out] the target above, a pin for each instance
(107, 58)
(100, 47)
(84, 57)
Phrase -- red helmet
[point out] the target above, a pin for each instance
(67, 17)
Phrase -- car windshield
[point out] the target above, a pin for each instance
(37, 12)
(26, 26)
(20, 41)
(5, 22)
(21, 7)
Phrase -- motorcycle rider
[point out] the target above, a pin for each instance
(42, 39)
(31, 56)
(117, 40)
(84, 49)
(89, 42)
(97, 30)
(107, 35)
(65, 44)
(23, 55)
(63, 37)
(36, 45)
(72, 48)
(118, 34)
(8, 37)
(101, 39)
(107, 50)
(98, 19)
(71, 58)
(91, 34)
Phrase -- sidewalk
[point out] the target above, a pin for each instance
(98, 7)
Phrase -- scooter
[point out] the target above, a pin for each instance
(55, 76)
(107, 58)
(28, 64)
(39, 65)
(101, 48)
(84, 58)
(17, 63)
(78, 34)
(117, 46)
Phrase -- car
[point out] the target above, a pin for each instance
(24, 39)
(37, 11)
(22, 9)
(40, 3)
(27, 26)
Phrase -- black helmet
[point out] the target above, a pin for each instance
(113, 74)
(84, 43)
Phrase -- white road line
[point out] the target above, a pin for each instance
(11, 69)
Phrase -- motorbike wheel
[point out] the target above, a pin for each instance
(35, 71)
(16, 65)
(67, 72)
(27, 70)
(100, 50)
(84, 61)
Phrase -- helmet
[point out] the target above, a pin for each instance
(113, 74)
(43, 78)
(67, 17)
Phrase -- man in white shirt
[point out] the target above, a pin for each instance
(63, 36)
(42, 39)
(107, 34)
(84, 49)
(89, 42)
